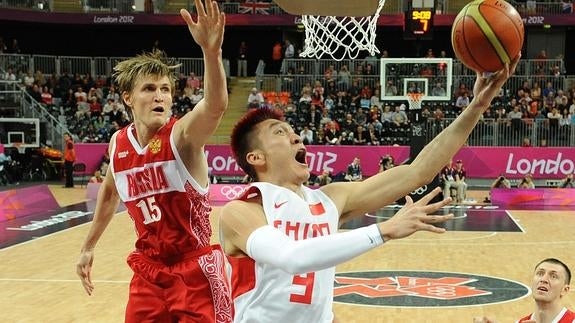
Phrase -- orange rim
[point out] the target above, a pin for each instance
(415, 97)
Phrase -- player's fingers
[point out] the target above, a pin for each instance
(215, 11)
(514, 63)
(187, 17)
(429, 196)
(89, 288)
(209, 5)
(200, 8)
(408, 201)
(436, 218)
(432, 228)
(430, 208)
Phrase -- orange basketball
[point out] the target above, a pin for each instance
(487, 34)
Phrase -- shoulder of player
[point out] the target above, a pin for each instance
(338, 190)
(241, 208)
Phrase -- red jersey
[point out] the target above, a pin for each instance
(169, 208)
(565, 316)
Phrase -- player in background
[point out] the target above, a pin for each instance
(280, 236)
(551, 281)
(159, 170)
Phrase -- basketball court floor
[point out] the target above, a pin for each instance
(483, 265)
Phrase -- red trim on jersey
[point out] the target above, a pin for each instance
(568, 317)
(317, 209)
(243, 275)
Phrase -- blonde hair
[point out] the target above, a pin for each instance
(127, 72)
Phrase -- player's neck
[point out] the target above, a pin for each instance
(546, 312)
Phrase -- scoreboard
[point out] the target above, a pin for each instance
(418, 22)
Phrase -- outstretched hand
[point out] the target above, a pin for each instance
(487, 86)
(208, 30)
(413, 217)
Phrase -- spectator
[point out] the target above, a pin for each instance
(526, 182)
(566, 6)
(462, 101)
(243, 60)
(193, 82)
(307, 135)
(276, 58)
(354, 173)
(324, 178)
(448, 179)
(255, 99)
(567, 182)
(438, 90)
(460, 175)
(385, 163)
(399, 118)
(69, 159)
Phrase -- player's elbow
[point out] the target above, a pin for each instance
(289, 262)
(295, 267)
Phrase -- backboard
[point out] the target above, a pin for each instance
(339, 8)
(430, 76)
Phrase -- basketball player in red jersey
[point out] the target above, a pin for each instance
(159, 170)
(551, 281)
(281, 237)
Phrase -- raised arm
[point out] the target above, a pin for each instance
(355, 199)
(194, 129)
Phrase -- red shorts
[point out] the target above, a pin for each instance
(193, 290)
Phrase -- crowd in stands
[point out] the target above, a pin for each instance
(91, 108)
(341, 108)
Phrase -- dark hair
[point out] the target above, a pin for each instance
(240, 139)
(560, 263)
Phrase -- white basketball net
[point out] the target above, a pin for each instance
(414, 100)
(340, 37)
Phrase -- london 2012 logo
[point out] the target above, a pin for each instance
(424, 289)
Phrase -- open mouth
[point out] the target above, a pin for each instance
(159, 109)
(300, 156)
(543, 289)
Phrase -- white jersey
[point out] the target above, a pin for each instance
(263, 293)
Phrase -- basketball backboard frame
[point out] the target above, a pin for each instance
(447, 75)
(350, 8)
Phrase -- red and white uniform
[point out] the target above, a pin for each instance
(565, 316)
(170, 211)
(263, 293)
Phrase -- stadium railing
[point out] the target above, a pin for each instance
(93, 66)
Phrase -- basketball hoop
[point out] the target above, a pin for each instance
(340, 36)
(414, 100)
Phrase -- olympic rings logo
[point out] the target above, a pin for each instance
(232, 192)
(420, 190)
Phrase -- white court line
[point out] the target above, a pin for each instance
(42, 237)
(516, 222)
(75, 281)
(489, 235)
(50, 234)
(389, 217)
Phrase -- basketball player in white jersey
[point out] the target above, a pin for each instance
(281, 237)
